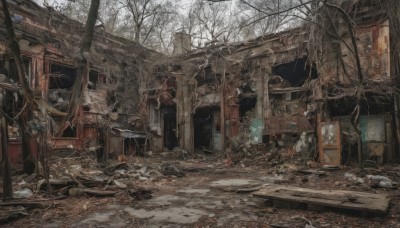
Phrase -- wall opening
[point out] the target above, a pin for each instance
(61, 77)
(69, 132)
(169, 115)
(8, 67)
(207, 76)
(203, 128)
(61, 81)
(246, 104)
(296, 72)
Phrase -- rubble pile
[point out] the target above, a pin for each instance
(241, 145)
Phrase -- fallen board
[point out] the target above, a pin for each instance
(338, 199)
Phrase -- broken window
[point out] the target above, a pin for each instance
(246, 106)
(69, 132)
(8, 67)
(295, 72)
(61, 77)
(207, 76)
(61, 81)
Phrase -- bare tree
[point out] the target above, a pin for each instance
(28, 99)
(145, 14)
(82, 79)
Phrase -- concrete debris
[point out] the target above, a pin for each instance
(170, 170)
(140, 193)
(23, 194)
(380, 181)
(119, 184)
(353, 178)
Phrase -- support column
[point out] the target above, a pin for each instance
(184, 113)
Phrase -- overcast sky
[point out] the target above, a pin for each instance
(40, 2)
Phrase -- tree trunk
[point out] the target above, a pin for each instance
(82, 78)
(7, 178)
(27, 92)
(137, 34)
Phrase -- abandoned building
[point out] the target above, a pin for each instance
(304, 88)
(296, 88)
(49, 48)
(225, 135)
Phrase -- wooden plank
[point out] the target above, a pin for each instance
(349, 200)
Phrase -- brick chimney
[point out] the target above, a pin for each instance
(182, 43)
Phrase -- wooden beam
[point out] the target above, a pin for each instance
(337, 199)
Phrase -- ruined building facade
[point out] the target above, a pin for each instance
(327, 88)
(49, 44)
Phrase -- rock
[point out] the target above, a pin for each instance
(23, 194)
(74, 169)
(304, 179)
(143, 178)
(119, 184)
(380, 181)
(269, 210)
(142, 171)
(76, 192)
(140, 193)
(120, 172)
(353, 178)
(169, 170)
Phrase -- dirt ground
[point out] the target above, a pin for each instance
(206, 195)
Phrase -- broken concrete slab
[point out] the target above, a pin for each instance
(194, 191)
(178, 215)
(234, 182)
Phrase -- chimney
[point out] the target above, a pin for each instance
(182, 43)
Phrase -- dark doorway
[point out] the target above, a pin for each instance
(203, 128)
(170, 139)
